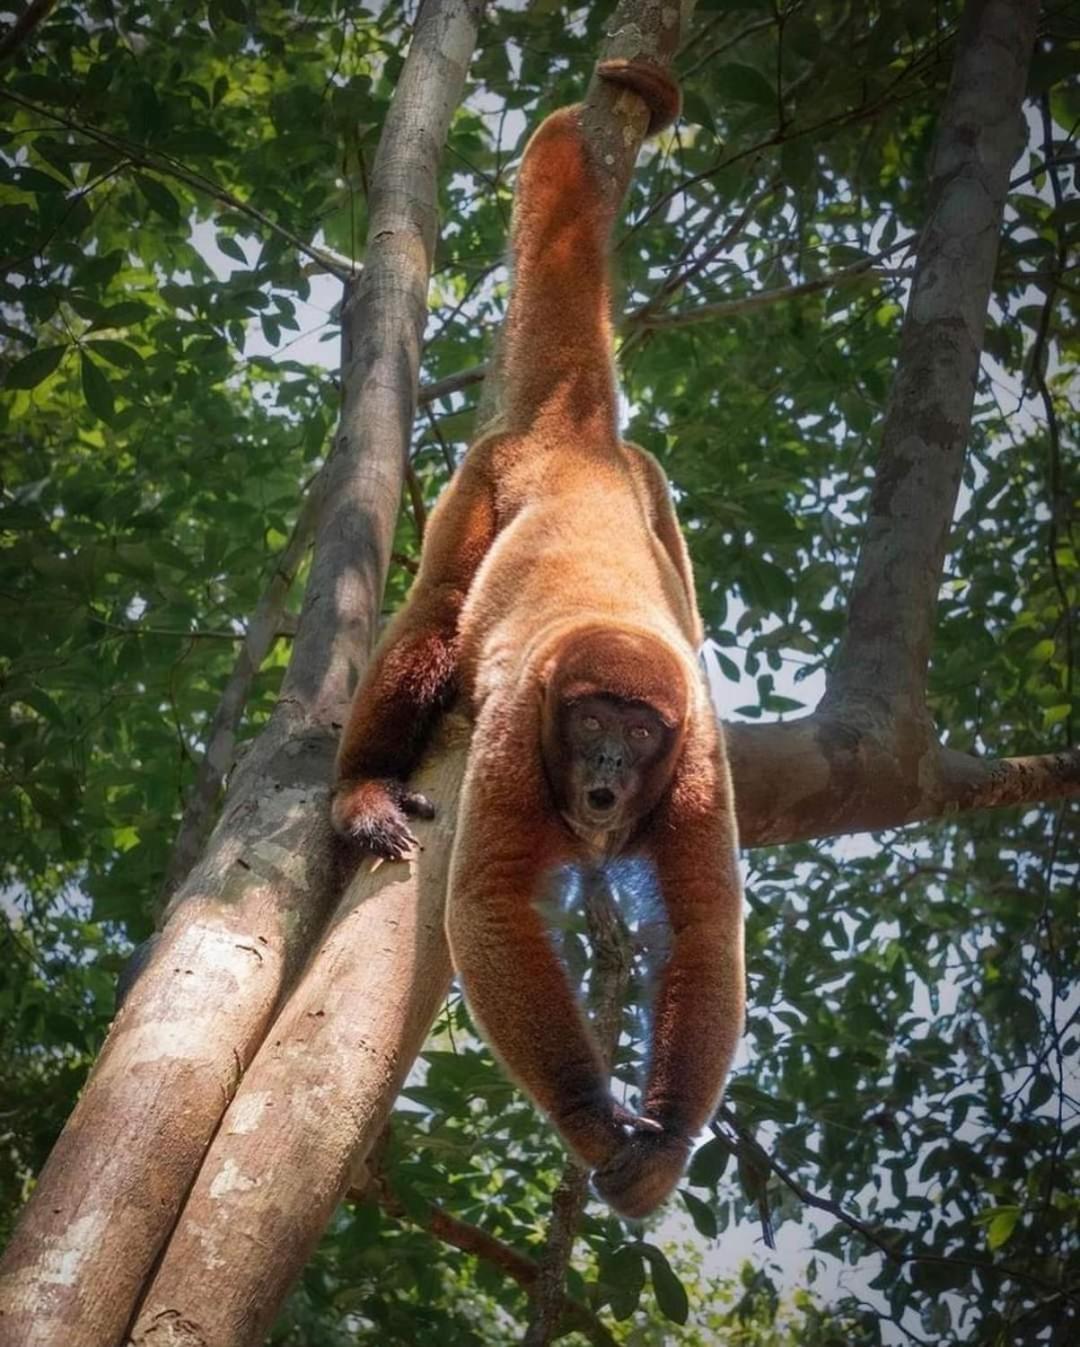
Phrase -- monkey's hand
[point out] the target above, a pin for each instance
(373, 814)
(644, 1171)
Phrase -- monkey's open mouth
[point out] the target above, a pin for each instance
(601, 799)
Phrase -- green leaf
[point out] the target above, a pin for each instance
(624, 1274)
(701, 1214)
(1001, 1225)
(708, 1163)
(117, 353)
(159, 198)
(670, 1293)
(125, 314)
(231, 248)
(96, 390)
(744, 84)
(35, 367)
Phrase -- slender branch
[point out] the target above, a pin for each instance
(732, 308)
(453, 383)
(517, 1266)
(643, 317)
(200, 808)
(23, 28)
(730, 42)
(746, 1142)
(416, 501)
(168, 167)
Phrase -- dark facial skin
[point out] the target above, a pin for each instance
(616, 752)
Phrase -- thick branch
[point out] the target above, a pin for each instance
(244, 919)
(317, 1093)
(382, 325)
(885, 650)
(822, 776)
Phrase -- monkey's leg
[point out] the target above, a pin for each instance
(413, 673)
(515, 984)
(699, 1001)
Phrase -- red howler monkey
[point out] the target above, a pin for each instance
(555, 597)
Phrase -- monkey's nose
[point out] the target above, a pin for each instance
(601, 798)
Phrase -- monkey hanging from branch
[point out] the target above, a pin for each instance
(555, 599)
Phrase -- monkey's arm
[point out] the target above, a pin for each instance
(508, 841)
(700, 996)
(413, 673)
(665, 523)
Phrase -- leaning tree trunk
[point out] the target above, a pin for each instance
(243, 922)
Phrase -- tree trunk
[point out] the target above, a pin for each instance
(317, 1094)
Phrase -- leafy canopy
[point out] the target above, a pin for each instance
(160, 167)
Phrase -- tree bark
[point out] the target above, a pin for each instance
(885, 650)
(239, 928)
(317, 1094)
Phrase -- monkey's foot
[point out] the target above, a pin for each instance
(373, 814)
(643, 1172)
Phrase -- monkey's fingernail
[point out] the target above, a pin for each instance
(376, 863)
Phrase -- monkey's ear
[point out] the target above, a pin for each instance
(655, 87)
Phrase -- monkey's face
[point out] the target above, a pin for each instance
(614, 758)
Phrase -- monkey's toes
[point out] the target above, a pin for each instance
(416, 805)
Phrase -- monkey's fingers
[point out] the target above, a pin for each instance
(367, 814)
(643, 1173)
(389, 837)
(637, 1122)
(416, 805)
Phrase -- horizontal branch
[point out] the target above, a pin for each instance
(826, 774)
(732, 308)
(994, 783)
(471, 1239)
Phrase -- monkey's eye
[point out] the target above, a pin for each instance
(640, 732)
(590, 722)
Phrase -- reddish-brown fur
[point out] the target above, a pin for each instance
(554, 569)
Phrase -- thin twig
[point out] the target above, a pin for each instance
(472, 1239)
(169, 167)
(745, 1142)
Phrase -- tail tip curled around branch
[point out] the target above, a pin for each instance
(654, 86)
